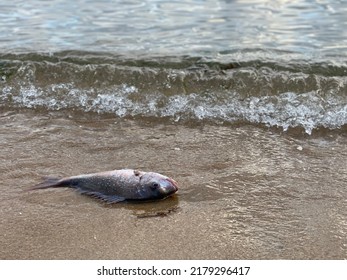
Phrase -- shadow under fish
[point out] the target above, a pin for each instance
(117, 185)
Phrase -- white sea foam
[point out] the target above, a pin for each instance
(287, 110)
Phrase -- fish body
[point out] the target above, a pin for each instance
(117, 185)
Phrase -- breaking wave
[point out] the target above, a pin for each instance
(224, 90)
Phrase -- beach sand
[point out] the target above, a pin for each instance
(246, 192)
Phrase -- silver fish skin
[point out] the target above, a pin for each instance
(117, 185)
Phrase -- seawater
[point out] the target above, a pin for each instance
(276, 63)
(311, 28)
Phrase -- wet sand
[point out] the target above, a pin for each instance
(246, 192)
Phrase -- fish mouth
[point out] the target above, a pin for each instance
(168, 187)
(174, 184)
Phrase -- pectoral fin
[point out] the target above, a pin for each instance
(109, 199)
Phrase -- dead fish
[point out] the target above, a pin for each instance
(117, 185)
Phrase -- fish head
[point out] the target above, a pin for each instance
(157, 186)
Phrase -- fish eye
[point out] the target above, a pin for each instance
(154, 186)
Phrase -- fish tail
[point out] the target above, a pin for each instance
(49, 182)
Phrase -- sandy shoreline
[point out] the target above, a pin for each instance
(245, 192)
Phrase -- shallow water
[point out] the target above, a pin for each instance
(278, 63)
(245, 191)
(242, 102)
(312, 28)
